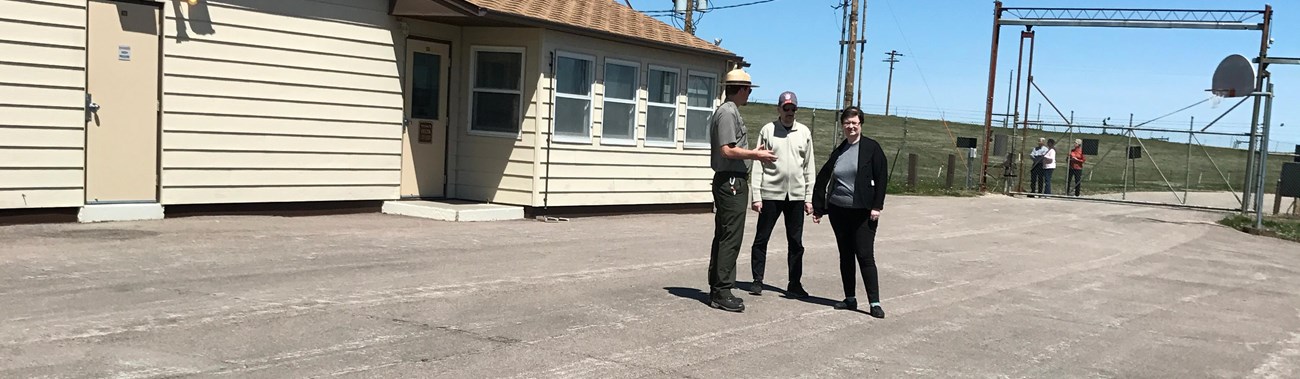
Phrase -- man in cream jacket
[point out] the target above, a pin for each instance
(783, 187)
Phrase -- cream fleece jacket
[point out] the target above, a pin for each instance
(792, 175)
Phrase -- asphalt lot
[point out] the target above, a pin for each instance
(983, 287)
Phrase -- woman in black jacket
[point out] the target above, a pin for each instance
(850, 188)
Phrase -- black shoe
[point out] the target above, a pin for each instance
(756, 288)
(729, 304)
(795, 290)
(847, 304)
(877, 312)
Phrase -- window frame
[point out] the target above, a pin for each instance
(473, 88)
(590, 98)
(675, 106)
(713, 104)
(635, 101)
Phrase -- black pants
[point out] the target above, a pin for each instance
(855, 234)
(1036, 179)
(731, 198)
(1076, 176)
(794, 215)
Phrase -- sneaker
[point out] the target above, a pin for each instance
(847, 304)
(729, 304)
(756, 288)
(877, 312)
(796, 290)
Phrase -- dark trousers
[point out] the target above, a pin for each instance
(855, 234)
(1076, 176)
(1036, 179)
(1047, 180)
(772, 209)
(731, 198)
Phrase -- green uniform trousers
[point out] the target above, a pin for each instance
(731, 200)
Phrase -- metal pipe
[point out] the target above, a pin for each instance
(1157, 130)
(1128, 160)
(1187, 172)
(1263, 158)
(1029, 79)
(1200, 207)
(988, 106)
(1254, 118)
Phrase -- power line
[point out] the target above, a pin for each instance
(710, 9)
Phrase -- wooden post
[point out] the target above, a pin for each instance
(952, 162)
(1277, 198)
(912, 159)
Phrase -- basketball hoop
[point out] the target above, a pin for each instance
(1235, 77)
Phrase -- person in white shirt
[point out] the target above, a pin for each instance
(1049, 165)
(1036, 170)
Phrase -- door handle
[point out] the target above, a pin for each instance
(92, 109)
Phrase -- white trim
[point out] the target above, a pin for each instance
(714, 104)
(634, 101)
(589, 98)
(676, 101)
(473, 83)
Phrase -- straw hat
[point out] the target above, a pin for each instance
(737, 77)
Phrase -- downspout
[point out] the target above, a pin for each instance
(546, 191)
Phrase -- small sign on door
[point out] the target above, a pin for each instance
(426, 132)
(123, 53)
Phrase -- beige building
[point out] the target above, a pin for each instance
(139, 105)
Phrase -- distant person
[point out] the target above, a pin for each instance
(850, 188)
(783, 188)
(1049, 165)
(1036, 169)
(728, 153)
(1076, 167)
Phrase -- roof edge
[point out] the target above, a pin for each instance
(531, 21)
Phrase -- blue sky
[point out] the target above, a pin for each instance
(1095, 72)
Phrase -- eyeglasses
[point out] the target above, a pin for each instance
(790, 109)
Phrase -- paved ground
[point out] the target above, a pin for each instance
(1108, 291)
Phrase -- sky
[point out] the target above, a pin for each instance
(1095, 73)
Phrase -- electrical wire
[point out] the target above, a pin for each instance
(710, 9)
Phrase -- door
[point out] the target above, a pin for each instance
(122, 70)
(424, 139)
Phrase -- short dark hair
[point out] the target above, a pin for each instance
(732, 90)
(853, 111)
(1051, 142)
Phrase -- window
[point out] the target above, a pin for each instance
(700, 94)
(573, 77)
(661, 115)
(619, 123)
(497, 99)
(426, 79)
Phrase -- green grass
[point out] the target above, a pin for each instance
(1284, 227)
(932, 142)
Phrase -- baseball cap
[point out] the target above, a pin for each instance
(787, 97)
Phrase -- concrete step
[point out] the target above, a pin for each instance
(453, 210)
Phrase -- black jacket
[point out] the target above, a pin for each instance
(872, 165)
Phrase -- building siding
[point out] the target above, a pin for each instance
(584, 173)
(491, 168)
(42, 98)
(291, 100)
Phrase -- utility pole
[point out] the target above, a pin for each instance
(893, 58)
(690, 19)
(849, 72)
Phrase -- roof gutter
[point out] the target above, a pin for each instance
(469, 9)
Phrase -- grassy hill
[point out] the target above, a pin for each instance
(932, 142)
